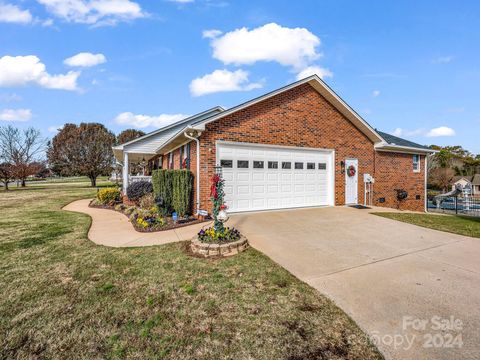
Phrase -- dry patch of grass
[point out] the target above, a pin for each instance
(461, 225)
(61, 296)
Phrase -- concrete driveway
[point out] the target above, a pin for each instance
(397, 281)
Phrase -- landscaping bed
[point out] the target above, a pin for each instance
(166, 224)
(163, 204)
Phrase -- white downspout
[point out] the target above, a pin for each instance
(426, 182)
(125, 172)
(198, 168)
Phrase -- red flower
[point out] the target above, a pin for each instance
(223, 207)
(213, 189)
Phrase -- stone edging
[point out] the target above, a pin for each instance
(218, 250)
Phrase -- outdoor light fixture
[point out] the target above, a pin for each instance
(342, 167)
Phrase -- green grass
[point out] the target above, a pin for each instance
(461, 225)
(63, 297)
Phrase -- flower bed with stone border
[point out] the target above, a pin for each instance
(218, 250)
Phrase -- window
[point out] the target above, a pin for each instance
(258, 164)
(185, 156)
(286, 165)
(242, 164)
(416, 163)
(322, 166)
(298, 165)
(170, 160)
(273, 164)
(226, 163)
(311, 166)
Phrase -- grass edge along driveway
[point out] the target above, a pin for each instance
(61, 296)
(455, 224)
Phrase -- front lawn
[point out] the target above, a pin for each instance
(62, 297)
(461, 225)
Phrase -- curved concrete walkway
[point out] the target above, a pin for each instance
(110, 228)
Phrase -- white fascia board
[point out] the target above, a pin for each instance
(403, 149)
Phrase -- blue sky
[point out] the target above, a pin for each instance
(408, 67)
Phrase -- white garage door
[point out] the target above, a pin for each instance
(264, 177)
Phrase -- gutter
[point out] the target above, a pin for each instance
(194, 135)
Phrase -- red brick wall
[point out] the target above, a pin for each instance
(395, 171)
(302, 117)
(298, 117)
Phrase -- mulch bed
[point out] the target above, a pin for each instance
(169, 222)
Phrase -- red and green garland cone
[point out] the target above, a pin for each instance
(217, 194)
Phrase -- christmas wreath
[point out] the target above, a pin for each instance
(351, 171)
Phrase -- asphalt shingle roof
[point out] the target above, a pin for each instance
(395, 140)
(476, 179)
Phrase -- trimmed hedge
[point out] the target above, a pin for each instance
(162, 181)
(173, 191)
(139, 189)
(182, 191)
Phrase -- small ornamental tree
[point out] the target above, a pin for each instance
(217, 194)
(6, 174)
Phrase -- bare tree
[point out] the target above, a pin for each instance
(21, 149)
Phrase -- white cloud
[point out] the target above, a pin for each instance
(211, 34)
(143, 121)
(398, 132)
(10, 97)
(25, 70)
(409, 133)
(94, 12)
(295, 47)
(85, 59)
(375, 93)
(13, 14)
(47, 23)
(441, 131)
(435, 132)
(221, 81)
(15, 114)
(311, 70)
(443, 59)
(54, 129)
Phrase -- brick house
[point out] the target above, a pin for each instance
(297, 146)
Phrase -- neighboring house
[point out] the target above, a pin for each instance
(293, 147)
(472, 182)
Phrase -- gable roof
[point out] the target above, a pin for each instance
(321, 87)
(395, 140)
(149, 143)
(461, 177)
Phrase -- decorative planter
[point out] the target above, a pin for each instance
(218, 250)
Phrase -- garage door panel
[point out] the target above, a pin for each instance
(243, 189)
(258, 176)
(243, 176)
(258, 189)
(227, 176)
(274, 187)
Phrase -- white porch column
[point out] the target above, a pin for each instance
(125, 172)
